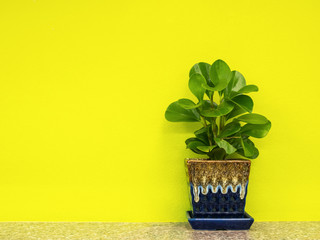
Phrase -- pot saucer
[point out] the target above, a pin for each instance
(241, 223)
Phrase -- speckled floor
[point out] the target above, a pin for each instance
(140, 231)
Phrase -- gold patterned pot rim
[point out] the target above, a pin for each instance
(204, 160)
(205, 175)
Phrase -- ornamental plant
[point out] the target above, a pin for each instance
(225, 111)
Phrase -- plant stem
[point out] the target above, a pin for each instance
(204, 122)
(220, 125)
(211, 100)
(213, 126)
(221, 122)
(205, 125)
(213, 123)
(231, 137)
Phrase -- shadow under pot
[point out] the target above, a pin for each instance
(218, 187)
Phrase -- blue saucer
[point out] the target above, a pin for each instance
(240, 223)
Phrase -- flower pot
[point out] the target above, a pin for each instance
(218, 187)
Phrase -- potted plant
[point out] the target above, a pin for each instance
(218, 183)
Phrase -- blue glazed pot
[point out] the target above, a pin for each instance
(218, 188)
(218, 205)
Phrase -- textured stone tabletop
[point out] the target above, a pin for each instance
(140, 231)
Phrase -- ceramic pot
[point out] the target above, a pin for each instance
(218, 188)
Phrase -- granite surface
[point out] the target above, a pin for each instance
(140, 231)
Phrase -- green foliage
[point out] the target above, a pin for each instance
(227, 124)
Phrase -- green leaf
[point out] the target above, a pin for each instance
(225, 145)
(217, 154)
(203, 137)
(210, 89)
(253, 118)
(222, 109)
(236, 142)
(249, 89)
(204, 133)
(236, 82)
(193, 144)
(207, 87)
(256, 153)
(193, 139)
(248, 147)
(245, 89)
(249, 150)
(235, 156)
(206, 148)
(235, 112)
(195, 85)
(201, 130)
(256, 130)
(176, 113)
(188, 104)
(243, 101)
(220, 74)
(203, 69)
(206, 105)
(229, 129)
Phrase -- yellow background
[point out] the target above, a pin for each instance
(83, 90)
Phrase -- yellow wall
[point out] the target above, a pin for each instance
(83, 90)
